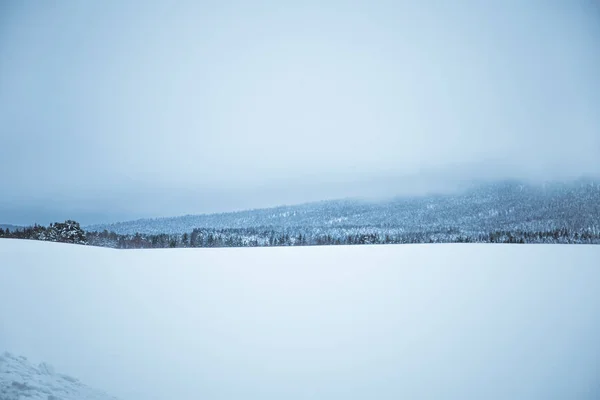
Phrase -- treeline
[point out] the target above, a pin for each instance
(258, 237)
(64, 232)
(71, 232)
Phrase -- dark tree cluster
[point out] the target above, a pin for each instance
(64, 232)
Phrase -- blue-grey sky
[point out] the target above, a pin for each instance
(122, 109)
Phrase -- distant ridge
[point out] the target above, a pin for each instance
(500, 205)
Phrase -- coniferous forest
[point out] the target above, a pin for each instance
(500, 213)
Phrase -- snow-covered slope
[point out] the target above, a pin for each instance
(364, 322)
(490, 207)
(19, 379)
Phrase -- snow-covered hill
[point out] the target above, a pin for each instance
(491, 207)
(19, 379)
(345, 322)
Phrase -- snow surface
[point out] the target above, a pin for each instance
(19, 379)
(458, 321)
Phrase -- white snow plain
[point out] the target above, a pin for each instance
(456, 321)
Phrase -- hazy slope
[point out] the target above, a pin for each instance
(500, 206)
(363, 322)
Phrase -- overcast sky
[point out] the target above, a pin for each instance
(114, 110)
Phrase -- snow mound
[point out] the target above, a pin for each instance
(19, 379)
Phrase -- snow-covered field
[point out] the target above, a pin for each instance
(365, 322)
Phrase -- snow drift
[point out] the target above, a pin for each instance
(364, 322)
(19, 379)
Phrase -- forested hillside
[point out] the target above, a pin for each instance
(508, 212)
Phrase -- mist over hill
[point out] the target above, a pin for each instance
(507, 205)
